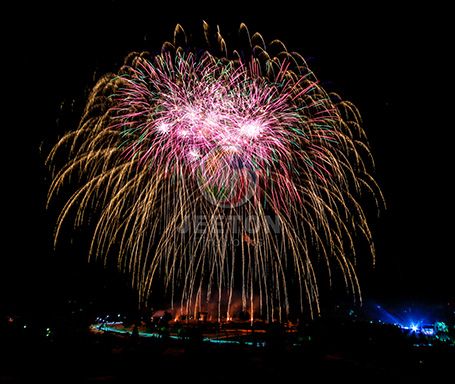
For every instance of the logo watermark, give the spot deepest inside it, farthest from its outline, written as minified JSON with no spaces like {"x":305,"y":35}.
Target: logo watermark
{"x":234,"y":224}
{"x":224,"y":178}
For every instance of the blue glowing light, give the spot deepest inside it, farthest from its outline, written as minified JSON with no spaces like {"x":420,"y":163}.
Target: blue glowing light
{"x":428,"y":330}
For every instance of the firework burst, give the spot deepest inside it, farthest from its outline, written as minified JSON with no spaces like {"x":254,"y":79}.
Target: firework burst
{"x":216,"y":173}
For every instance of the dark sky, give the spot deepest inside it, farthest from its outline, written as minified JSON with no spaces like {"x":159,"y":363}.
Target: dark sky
{"x":392,"y":63}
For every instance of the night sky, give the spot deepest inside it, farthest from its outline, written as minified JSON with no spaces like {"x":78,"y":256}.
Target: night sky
{"x":392,"y":63}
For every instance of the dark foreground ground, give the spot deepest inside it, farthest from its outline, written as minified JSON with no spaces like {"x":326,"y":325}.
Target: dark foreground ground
{"x":340,"y":353}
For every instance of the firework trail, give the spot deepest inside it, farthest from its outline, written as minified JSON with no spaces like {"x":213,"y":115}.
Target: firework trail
{"x":212,"y":172}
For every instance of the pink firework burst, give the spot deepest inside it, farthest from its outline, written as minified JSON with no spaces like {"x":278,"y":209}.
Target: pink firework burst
{"x":239,"y":141}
